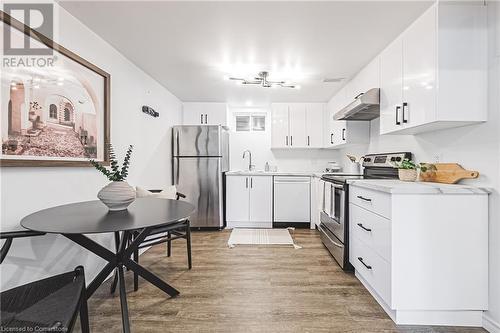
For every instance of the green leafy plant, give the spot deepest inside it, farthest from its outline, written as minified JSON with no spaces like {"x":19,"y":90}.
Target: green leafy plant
{"x":411,"y":165}
{"x":114,"y":173}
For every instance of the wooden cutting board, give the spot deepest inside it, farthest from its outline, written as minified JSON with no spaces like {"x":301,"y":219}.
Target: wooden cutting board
{"x":447,"y":173}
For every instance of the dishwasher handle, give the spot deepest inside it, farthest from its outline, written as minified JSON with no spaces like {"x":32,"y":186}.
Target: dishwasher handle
{"x":292,"y":180}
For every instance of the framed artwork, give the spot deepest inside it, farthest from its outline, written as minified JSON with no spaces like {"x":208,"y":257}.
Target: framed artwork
{"x":55,"y":109}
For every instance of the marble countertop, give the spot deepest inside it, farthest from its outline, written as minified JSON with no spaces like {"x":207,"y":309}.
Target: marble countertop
{"x":274,"y":173}
{"x":399,"y":187}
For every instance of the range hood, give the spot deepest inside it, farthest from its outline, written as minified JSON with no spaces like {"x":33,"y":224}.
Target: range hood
{"x":366,"y":106}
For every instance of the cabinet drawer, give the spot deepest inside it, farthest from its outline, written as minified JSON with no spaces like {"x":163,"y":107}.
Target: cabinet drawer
{"x":374,"y":201}
{"x":373,"y":268}
{"x":374,"y":230}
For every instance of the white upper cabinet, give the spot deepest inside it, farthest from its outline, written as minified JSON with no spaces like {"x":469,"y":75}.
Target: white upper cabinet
{"x":195,"y":113}
{"x":419,"y":71}
{"x":434,"y":75}
{"x":366,"y":79}
{"x":279,"y":126}
{"x":297,"y":125}
{"x":314,"y":124}
{"x":391,"y":87}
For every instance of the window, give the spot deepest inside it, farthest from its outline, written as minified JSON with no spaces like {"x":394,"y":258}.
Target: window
{"x":242,"y":123}
{"x":53,"y":111}
{"x":258,"y":123}
{"x":250,"y":122}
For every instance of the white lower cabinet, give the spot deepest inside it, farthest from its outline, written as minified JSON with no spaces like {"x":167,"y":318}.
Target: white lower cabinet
{"x":424,"y":257}
{"x":249,"y":201}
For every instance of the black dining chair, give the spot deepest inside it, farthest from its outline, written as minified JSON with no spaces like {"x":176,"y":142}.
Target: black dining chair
{"x":161,"y":234}
{"x":48,"y":305}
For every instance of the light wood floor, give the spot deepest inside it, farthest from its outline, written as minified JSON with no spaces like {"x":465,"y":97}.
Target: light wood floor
{"x":248,"y":289}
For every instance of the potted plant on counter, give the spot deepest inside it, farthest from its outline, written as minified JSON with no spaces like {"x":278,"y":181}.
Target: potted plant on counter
{"x":118,"y":194}
{"x":408,"y":170}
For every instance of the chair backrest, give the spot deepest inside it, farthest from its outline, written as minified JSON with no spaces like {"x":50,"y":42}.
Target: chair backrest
{"x":10,"y":235}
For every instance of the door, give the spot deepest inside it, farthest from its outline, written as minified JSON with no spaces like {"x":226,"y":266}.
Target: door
{"x":419,"y":70}
{"x":314,"y":125}
{"x":297,"y":121}
{"x":292,"y":199}
{"x":338,"y":135}
{"x":261,"y":199}
{"x":200,"y":179}
{"x":237,"y":198}
{"x":279,"y":128}
{"x":391,"y":87}
{"x":197,"y":141}
{"x":215,"y":114}
{"x":193,"y":114}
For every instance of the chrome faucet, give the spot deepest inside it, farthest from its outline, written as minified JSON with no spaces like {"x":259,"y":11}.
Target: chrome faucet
{"x":251,"y":167}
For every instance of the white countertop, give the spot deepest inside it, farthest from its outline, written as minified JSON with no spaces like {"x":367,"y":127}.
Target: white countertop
{"x":400,"y":187}
{"x":274,"y":173}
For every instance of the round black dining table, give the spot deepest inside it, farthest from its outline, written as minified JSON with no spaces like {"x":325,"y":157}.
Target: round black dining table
{"x":93,"y":217}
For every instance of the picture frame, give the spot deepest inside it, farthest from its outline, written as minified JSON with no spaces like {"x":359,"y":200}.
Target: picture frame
{"x":62,"y":117}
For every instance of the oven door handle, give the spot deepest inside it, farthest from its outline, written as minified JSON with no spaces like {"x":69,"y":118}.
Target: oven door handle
{"x":329,"y":238}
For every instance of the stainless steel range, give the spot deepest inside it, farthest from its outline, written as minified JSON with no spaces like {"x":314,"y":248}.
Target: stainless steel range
{"x":334,"y":226}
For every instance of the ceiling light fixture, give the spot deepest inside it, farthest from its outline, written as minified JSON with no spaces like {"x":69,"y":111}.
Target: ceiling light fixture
{"x":261,"y":80}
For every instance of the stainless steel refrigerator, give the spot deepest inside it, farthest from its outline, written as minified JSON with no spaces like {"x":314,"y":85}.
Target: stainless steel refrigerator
{"x":200,"y":158}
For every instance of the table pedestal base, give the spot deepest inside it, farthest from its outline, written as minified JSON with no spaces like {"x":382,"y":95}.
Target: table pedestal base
{"x":119,"y":261}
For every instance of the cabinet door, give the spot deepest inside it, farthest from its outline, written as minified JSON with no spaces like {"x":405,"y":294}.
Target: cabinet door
{"x":367,"y":78}
{"x":215,"y":114}
{"x":297,"y":121}
{"x":261,"y":199}
{"x":314,"y":125}
{"x":279,"y":126}
{"x":419,"y":70}
{"x":193,"y":114}
{"x":339,"y":132}
{"x":237,"y":198}
{"x":391,"y":87}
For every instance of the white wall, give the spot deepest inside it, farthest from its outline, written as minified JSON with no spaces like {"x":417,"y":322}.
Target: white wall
{"x":475,"y":147}
{"x":259,"y":144}
{"x":25,"y":190}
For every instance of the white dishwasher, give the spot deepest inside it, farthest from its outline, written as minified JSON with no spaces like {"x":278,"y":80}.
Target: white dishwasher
{"x":292,"y":200}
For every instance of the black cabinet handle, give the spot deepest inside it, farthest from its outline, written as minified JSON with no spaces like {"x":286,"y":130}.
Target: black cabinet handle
{"x":363,"y":227}
{"x":343,"y":134}
{"x":246,"y":182}
{"x":363,"y":198}
{"x":201,"y":118}
{"x":206,"y":119}
{"x":291,"y":140}
{"x":361,"y":260}
{"x":308,"y":141}
{"x":405,"y":111}
{"x":286,"y":140}
{"x":251,"y":182}
{"x":398,"y":109}
{"x":331,"y":138}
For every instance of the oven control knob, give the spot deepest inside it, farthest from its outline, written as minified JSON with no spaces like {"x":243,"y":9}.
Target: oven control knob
{"x":398,"y":159}
{"x":393,"y":159}
{"x":368,"y":159}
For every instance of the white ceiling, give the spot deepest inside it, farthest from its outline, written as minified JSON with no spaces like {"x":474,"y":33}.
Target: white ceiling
{"x":189,"y":46}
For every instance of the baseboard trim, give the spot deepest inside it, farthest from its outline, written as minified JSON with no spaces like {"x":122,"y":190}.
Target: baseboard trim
{"x":490,"y":325}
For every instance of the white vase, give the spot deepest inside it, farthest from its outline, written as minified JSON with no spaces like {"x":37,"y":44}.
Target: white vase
{"x":117,"y":195}
{"x":407,"y":175}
